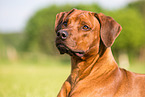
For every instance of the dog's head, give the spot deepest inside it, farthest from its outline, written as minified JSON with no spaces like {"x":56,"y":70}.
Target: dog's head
{"x":79,"y":32}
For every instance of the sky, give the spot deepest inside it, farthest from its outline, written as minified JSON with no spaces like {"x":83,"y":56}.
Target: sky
{"x":14,"y":14}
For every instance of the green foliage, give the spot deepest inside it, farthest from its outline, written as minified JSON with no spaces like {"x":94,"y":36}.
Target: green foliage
{"x":11,"y":39}
{"x":40,"y":35}
{"x":132,"y":35}
{"x":140,"y":6}
{"x":8,"y":43}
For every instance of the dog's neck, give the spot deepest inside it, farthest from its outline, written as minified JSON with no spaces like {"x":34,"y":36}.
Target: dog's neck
{"x":83,"y":68}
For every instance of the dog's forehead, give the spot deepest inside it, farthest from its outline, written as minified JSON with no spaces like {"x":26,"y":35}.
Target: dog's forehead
{"x":77,"y":14}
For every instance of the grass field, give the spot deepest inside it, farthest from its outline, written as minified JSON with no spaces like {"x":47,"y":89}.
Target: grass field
{"x":33,"y":80}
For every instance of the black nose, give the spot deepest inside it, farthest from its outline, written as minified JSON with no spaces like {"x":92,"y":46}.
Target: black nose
{"x":62,"y":34}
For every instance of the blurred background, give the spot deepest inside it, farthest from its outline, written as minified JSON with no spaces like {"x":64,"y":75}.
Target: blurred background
{"x":30,"y":64}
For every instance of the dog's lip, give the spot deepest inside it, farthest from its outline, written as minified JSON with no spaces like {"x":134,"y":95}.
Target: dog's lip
{"x":79,"y":53}
{"x":62,"y":48}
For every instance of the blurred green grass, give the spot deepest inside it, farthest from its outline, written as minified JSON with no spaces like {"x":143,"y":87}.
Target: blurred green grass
{"x":31,"y":81}
{"x":137,"y":67}
{"x":26,"y":79}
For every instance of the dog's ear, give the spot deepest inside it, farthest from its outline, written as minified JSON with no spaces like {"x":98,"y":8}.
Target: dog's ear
{"x":109,"y":30}
{"x":58,"y":20}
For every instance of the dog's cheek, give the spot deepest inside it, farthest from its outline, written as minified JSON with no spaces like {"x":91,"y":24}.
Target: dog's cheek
{"x":90,"y":37}
{"x":81,"y":44}
{"x":87,"y":41}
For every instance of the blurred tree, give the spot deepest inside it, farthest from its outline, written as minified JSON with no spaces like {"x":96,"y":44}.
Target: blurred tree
{"x":139,"y":5}
{"x":39,"y":32}
{"x":132,"y":35}
{"x":12,"y":40}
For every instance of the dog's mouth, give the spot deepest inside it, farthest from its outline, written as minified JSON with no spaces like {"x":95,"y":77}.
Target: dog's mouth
{"x":64,"y":49}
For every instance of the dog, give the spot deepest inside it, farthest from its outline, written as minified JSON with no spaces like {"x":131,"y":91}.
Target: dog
{"x":87,"y":37}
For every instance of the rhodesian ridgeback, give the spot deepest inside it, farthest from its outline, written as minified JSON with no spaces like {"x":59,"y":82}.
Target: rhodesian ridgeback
{"x":87,"y":37}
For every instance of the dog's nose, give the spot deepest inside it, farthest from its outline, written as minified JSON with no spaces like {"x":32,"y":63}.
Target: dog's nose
{"x":62,"y":34}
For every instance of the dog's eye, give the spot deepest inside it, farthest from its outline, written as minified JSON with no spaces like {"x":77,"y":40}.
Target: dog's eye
{"x":85,"y":27}
{"x":65,"y":23}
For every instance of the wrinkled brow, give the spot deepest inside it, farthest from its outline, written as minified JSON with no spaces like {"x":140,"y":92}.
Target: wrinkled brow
{"x":77,"y":16}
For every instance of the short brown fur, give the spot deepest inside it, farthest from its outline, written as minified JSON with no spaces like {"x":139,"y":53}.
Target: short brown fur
{"x":94,"y":72}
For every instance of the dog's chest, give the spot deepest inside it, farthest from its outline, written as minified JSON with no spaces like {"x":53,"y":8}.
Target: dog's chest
{"x":90,"y":88}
